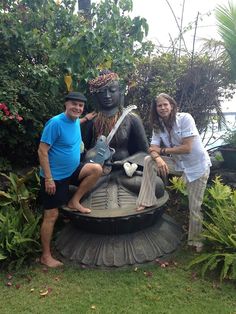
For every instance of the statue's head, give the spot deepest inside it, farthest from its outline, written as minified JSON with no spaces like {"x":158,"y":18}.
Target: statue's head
{"x":106,"y":91}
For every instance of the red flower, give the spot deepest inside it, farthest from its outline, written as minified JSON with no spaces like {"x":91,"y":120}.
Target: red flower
{"x":8,"y":114}
{"x":3,"y":107}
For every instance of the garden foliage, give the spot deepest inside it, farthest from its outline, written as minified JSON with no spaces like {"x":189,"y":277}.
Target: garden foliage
{"x":41,"y":41}
{"x":219,"y":232}
{"x":44,"y":41}
{"x":19,"y":220}
{"x":198,"y":84}
{"x":226,"y":17}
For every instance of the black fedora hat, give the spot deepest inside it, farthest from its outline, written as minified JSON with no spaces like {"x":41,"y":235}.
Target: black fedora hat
{"x":75,"y":96}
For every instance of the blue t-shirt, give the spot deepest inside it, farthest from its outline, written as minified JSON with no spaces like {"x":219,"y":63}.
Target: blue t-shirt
{"x":64,"y":137}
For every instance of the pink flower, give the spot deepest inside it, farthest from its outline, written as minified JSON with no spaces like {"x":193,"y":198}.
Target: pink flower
{"x":7,"y":112}
{"x":19,"y":118}
{"x":11,"y":117}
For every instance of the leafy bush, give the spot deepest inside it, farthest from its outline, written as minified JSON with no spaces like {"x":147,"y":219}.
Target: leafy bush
{"x":219,"y":232}
{"x":40,"y":42}
{"x":192,"y":82}
{"x":19,"y":221}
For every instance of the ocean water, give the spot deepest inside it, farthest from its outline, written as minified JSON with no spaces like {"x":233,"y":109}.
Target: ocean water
{"x":214,"y":137}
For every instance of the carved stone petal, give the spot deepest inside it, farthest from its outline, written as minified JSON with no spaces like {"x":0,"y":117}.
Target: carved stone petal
{"x":85,"y":248}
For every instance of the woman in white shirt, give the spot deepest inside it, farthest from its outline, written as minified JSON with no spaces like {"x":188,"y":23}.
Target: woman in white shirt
{"x":176,"y":148}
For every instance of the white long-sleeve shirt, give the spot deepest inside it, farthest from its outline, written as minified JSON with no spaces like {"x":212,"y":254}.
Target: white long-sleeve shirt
{"x":193,"y":164}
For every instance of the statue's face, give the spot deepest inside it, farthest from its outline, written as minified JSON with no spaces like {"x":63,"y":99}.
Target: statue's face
{"x":108,"y":97}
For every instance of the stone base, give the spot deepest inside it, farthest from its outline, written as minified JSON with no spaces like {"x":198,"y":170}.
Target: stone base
{"x":79,"y":247}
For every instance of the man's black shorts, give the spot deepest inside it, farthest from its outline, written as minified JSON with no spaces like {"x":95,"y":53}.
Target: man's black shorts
{"x":62,"y":195}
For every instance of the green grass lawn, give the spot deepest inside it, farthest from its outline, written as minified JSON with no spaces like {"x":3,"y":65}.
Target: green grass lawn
{"x":142,"y":289}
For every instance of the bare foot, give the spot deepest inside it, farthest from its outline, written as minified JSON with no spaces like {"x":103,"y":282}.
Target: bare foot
{"x":78,"y":208}
{"x":140,"y":208}
{"x":50,"y":262}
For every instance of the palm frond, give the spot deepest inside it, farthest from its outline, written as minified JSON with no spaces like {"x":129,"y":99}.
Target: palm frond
{"x":226,"y":22}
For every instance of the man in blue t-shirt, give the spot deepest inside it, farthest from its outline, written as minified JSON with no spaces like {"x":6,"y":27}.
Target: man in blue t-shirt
{"x":59,"y":156}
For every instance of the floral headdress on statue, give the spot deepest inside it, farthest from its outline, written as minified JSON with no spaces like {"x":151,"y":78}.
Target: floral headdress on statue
{"x":104,"y":123}
{"x":105,"y":78}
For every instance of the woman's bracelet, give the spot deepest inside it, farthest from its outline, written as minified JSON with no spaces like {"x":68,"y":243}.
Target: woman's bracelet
{"x":163,"y":151}
{"x":152,"y":149}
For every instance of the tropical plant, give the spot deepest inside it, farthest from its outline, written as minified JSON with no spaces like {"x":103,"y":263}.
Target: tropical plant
{"x":178,"y":187}
{"x":19,"y":220}
{"x":219,"y":231}
{"x":226,"y":18}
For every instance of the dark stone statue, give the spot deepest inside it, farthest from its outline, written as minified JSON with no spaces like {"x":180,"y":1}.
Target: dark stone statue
{"x":129,"y":142}
{"x":130,"y":137}
{"x":114,"y":233}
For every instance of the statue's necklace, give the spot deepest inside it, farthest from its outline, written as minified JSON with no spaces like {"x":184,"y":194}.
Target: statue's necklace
{"x":104,"y":124}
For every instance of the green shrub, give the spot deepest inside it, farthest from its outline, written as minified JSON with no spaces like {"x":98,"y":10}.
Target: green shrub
{"x":40,"y":42}
{"x":19,"y":221}
{"x":219,"y":231}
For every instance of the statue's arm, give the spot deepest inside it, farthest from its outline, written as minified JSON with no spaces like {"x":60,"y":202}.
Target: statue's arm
{"x":138,"y":138}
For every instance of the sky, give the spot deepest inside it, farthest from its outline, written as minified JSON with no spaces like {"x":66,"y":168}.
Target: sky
{"x":162,"y":23}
